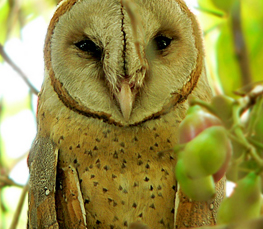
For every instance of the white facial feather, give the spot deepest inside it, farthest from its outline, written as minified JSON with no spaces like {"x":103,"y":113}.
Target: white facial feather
{"x":91,"y":83}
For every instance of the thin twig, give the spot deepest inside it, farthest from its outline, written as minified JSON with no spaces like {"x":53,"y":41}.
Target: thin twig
{"x":14,"y":162}
{"x":19,"y":208}
{"x":193,"y":101}
{"x":250,"y":98}
{"x":6,"y":181}
{"x":212,"y":12}
{"x":256,"y":143}
{"x":17,"y":69}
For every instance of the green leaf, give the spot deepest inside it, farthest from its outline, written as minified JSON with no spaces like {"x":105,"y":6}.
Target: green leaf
{"x":4,"y":9}
{"x":224,"y":5}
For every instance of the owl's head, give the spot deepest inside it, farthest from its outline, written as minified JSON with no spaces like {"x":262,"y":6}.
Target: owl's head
{"x":125,"y":62}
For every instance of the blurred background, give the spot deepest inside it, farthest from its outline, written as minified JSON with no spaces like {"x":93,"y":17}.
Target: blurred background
{"x":233,"y":32}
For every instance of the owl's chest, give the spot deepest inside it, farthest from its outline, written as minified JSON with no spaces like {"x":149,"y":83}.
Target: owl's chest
{"x":126,"y":174}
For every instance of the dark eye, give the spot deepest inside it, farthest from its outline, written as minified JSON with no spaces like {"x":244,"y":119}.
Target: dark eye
{"x":162,"y":42}
{"x":90,"y":47}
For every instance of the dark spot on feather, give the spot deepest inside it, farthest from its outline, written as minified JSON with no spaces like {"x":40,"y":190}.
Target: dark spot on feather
{"x":105,"y":134}
{"x":162,"y":222}
{"x":122,"y":150}
{"x":122,"y":144}
{"x":106,"y":167}
{"x":90,"y":153}
{"x":160,"y":154}
{"x":115,"y":155}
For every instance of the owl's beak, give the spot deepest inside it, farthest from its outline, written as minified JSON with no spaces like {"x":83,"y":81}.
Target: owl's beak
{"x":125,"y":97}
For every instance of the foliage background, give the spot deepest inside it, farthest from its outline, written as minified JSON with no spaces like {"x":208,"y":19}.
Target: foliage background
{"x":233,"y":32}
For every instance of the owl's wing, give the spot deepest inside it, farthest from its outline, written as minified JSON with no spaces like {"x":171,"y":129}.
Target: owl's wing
{"x":55,"y":200}
{"x":70,"y":206}
{"x":42,"y":163}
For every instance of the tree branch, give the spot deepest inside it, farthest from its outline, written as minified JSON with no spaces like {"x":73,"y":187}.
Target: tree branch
{"x":19,"y":208}
{"x":240,"y":44}
{"x":17,"y":69}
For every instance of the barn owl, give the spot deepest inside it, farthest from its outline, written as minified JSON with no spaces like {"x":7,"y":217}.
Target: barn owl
{"x":117,"y":79}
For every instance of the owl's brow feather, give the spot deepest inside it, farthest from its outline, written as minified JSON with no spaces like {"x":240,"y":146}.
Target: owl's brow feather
{"x":128,"y":4}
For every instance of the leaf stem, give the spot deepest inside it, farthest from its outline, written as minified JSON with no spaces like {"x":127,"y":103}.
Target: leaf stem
{"x":203,"y":104}
{"x":237,"y":128}
{"x":256,"y":143}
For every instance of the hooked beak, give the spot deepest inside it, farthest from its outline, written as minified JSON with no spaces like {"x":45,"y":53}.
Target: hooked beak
{"x":125,"y":97}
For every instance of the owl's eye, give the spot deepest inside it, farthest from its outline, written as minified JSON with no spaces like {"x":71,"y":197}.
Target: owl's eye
{"x":90,"y":47}
{"x":162,"y":42}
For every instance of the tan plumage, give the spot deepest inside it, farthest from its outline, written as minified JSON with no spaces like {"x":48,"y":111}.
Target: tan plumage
{"x":108,"y":112}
